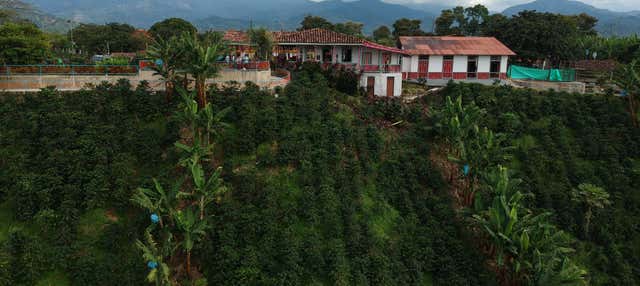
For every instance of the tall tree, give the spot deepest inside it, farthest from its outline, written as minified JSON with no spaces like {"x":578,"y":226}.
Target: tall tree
{"x":311,"y":22}
{"x":264,"y":42}
{"x":381,"y":33}
{"x":23,"y":43}
{"x":407,"y":27}
{"x":349,"y":28}
{"x":462,"y":21}
{"x":112,"y":37}
{"x":172,"y":27}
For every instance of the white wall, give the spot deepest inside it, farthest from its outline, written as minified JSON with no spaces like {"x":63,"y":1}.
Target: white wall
{"x":406,"y":64}
{"x":460,"y":64}
{"x":435,"y":63}
{"x":503,"y":64}
{"x":415,"y":62}
{"x":380,"y":87}
{"x":484,"y":63}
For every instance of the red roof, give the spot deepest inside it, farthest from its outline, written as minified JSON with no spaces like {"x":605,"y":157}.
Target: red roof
{"x":316,"y":36}
{"x":449,"y":45}
{"x":377,"y":46}
{"x":312,"y":36}
{"x":236,"y":37}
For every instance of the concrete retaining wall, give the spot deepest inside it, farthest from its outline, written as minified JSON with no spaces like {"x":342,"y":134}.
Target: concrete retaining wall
{"x":75,"y":82}
{"x":574,"y":86}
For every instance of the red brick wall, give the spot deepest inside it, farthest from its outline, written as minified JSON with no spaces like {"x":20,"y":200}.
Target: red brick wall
{"x":483,"y":75}
{"x":459,"y":75}
{"x":435,"y":75}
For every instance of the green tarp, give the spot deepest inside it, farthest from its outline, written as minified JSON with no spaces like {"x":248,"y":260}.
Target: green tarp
{"x":518,"y":72}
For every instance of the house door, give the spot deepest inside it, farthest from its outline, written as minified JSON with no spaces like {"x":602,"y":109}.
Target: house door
{"x":423,"y":68}
{"x":447,"y":68}
{"x":390,"y":86}
{"x":371,"y":83}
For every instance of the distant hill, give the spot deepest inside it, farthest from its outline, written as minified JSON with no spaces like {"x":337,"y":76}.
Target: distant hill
{"x":45,"y":21}
{"x":372,"y":13}
{"x":609,"y":22}
{"x":206,"y":14}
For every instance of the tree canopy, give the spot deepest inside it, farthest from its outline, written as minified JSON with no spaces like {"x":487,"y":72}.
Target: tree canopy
{"x":111,"y":37}
{"x":407,"y":27}
{"x":23,"y":43}
{"x":172,"y":27}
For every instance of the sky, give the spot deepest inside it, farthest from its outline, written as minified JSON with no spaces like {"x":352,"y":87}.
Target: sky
{"x":499,"y":5}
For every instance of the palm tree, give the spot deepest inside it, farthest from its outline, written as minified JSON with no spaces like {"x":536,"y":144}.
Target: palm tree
{"x":202,"y":61}
{"x":170,"y":53}
{"x":592,"y":197}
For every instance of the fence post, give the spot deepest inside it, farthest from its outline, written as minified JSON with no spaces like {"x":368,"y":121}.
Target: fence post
{"x":40,"y":70}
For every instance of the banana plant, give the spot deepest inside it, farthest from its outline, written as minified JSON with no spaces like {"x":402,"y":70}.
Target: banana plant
{"x":158,"y":201}
{"x":628,"y":78}
{"x":192,"y":230}
{"x":205,"y":190}
{"x":169,"y":54}
{"x":159,"y":271}
{"x":202,"y":61}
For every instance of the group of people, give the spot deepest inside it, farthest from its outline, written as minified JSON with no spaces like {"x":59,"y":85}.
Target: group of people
{"x":237,"y":59}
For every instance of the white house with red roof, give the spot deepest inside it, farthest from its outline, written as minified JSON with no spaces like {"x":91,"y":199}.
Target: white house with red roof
{"x":379,"y":66}
{"x":440,"y":59}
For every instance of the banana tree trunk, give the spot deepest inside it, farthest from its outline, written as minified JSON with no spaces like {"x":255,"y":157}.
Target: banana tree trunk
{"x":189,"y":264}
{"x":632,"y":110}
{"x":202,"y":94}
{"x":168,"y":88}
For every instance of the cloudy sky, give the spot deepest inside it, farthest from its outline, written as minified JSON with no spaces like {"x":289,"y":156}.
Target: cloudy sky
{"x":499,"y":5}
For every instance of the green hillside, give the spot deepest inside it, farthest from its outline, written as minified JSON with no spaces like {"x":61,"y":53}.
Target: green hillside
{"x":323,"y":187}
{"x":18,"y":10}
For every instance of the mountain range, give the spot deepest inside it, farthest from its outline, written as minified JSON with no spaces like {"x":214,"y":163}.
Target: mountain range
{"x":287,"y":14}
{"x":609,"y":22}
{"x":44,"y":20}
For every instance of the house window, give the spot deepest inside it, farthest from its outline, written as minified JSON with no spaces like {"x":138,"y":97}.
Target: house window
{"x":472,"y":67}
{"x":448,"y":58}
{"x":346,"y":55}
{"x":367,"y":58}
{"x":326,"y":55}
{"x":310,"y":54}
{"x":495,"y":67}
{"x":386,"y":58}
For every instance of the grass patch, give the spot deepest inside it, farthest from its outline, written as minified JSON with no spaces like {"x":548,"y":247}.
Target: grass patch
{"x":54,"y":278}
{"x":92,"y":223}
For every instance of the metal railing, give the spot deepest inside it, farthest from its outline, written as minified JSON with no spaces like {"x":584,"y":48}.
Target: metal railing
{"x":10,"y":70}
{"x":256,"y":65}
{"x":381,"y":68}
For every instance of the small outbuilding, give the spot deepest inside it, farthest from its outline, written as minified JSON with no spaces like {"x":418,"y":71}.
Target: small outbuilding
{"x":437,"y":60}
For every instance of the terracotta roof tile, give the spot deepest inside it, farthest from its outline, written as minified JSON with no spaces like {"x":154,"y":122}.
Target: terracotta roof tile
{"x":236,"y":37}
{"x":316,"y":36}
{"x":455,"y":46}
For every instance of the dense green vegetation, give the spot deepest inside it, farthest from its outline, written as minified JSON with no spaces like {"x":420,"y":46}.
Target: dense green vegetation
{"x":321,"y":187}
{"x":563,"y":141}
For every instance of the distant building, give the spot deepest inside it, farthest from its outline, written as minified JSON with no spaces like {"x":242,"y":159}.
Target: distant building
{"x":440,"y":59}
{"x":378,"y":66}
